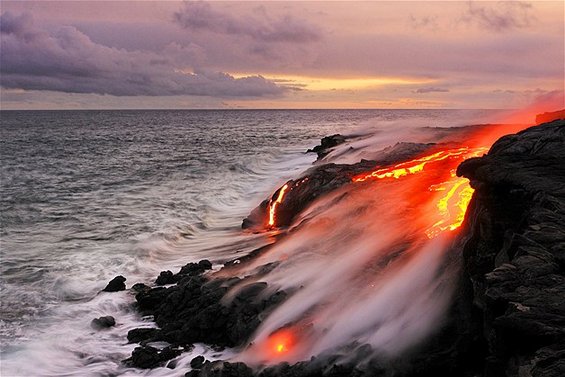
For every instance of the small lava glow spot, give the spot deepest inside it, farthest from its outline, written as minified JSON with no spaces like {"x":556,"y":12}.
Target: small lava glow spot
{"x":280,"y":342}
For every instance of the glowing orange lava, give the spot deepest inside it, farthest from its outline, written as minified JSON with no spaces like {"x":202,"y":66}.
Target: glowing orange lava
{"x":280,"y":342}
{"x":273,"y":205}
{"x":413,"y":166}
{"x":452,"y":206}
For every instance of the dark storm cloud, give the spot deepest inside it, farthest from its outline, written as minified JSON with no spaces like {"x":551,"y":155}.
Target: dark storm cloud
{"x":431,"y":90}
{"x":200,"y":16}
{"x":499,"y":17}
{"x":67,"y":60}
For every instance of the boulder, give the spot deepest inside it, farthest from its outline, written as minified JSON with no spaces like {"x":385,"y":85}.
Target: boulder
{"x":197,"y":362}
{"x":116,"y":284}
{"x":103,"y":322}
{"x":326,"y":144}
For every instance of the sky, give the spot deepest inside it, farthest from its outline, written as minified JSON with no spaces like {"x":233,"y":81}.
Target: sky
{"x":267,"y":54}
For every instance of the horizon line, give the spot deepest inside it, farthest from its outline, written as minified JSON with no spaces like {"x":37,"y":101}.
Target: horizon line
{"x":262,"y":109}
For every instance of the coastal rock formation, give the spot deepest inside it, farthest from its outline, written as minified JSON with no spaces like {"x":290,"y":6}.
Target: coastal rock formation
{"x":103,"y":322}
{"x":515,"y":253}
{"x":116,"y":284}
{"x":507,"y":317}
{"x":326,"y":144}
{"x":194,"y":310}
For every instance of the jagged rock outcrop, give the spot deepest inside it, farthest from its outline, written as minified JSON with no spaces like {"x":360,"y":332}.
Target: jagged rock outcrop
{"x":116,"y":284}
{"x":194,"y":310}
{"x":515,"y":255}
{"x":326,"y":145}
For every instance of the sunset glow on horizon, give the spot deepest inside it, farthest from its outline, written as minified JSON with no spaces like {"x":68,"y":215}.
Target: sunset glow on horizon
{"x":230,"y":54}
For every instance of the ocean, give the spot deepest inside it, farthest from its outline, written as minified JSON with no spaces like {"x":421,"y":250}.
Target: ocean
{"x":88,"y":195}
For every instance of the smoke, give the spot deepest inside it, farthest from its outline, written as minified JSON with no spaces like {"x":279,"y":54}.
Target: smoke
{"x":362,"y":271}
{"x":370,"y":263}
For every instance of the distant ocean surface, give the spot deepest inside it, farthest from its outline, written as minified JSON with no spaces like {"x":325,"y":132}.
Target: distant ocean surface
{"x":88,"y":195}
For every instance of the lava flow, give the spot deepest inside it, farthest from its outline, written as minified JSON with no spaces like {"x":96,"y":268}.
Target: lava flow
{"x":369,"y":263}
{"x":273,"y":205}
{"x":452,"y":206}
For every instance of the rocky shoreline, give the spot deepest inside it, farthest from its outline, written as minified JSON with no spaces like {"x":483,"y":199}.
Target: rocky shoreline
{"x":508,"y":316}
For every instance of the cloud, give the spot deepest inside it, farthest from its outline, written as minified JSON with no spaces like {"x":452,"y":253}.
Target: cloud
{"x":499,"y":17}
{"x":431,"y":90}
{"x":200,"y":16}
{"x":67,"y":60}
{"x":17,"y":25}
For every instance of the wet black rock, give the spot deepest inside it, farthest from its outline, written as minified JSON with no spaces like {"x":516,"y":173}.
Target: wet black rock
{"x":103,"y":322}
{"x":222,"y":369}
{"x":193,"y":310}
{"x":116,"y":284}
{"x":197,"y":362}
{"x":143,"y":335}
{"x":140,"y":287}
{"x":326,"y":144}
{"x":196,"y":268}
{"x":150,"y":357}
{"x":190,"y":269}
{"x":145,"y":357}
{"x":165,"y":277}
{"x":319,"y":367}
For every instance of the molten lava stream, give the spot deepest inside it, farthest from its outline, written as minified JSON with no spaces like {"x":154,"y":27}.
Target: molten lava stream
{"x":451,"y":207}
{"x":274,"y":204}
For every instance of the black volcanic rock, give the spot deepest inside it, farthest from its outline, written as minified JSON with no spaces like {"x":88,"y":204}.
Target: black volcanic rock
{"x":116,"y":284}
{"x":197,"y":362}
{"x":165,"y":277}
{"x":141,"y":335}
{"x":193,"y":311}
{"x":326,"y":144}
{"x":103,"y":322}
{"x":150,"y":357}
{"x":196,"y":268}
{"x":515,"y":255}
